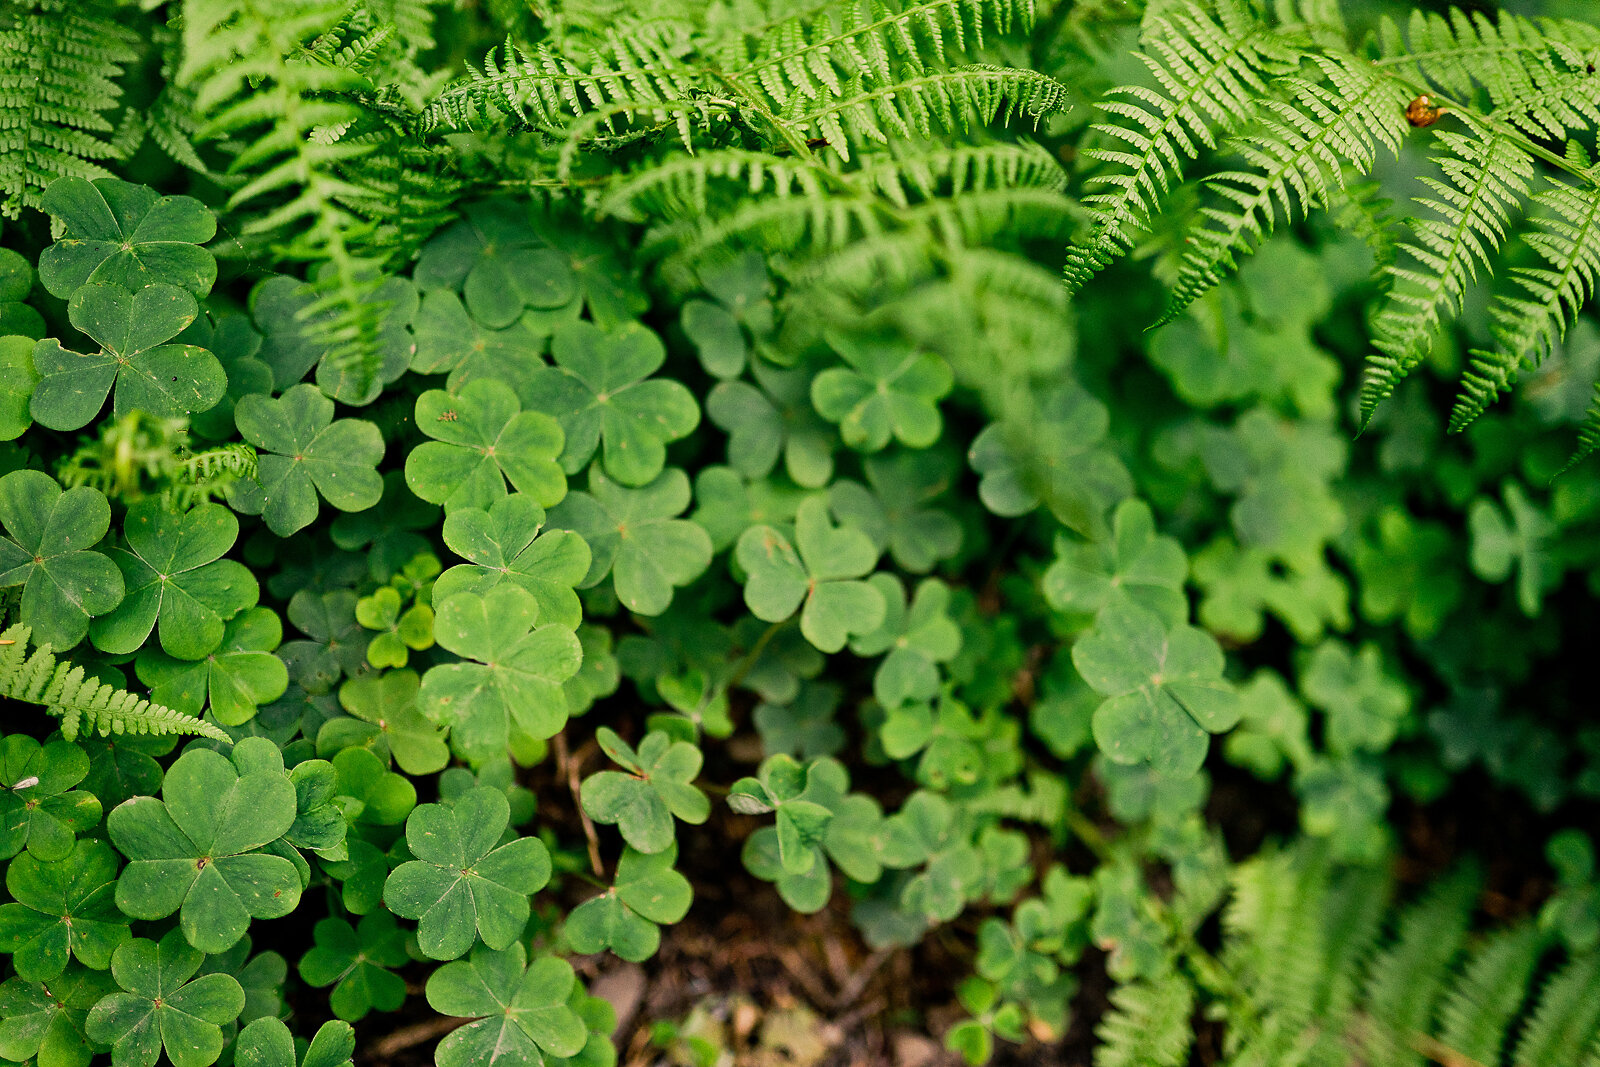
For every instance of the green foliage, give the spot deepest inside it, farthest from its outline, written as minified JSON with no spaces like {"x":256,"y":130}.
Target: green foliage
{"x":405,"y":403}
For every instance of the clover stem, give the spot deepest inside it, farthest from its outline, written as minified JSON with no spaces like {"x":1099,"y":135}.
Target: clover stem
{"x":567,"y":766}
{"x":749,"y":661}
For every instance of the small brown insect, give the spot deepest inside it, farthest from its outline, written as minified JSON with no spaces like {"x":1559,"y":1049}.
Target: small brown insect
{"x":448,"y":416}
{"x":1422,"y":112}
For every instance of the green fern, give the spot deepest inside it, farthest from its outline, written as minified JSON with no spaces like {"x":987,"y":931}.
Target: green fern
{"x":1297,"y":153}
{"x":83,"y":703}
{"x":1148,"y":1025}
{"x":1527,"y":327}
{"x":1486,"y":176}
{"x":1211,"y":68}
{"x":1488,"y":994}
{"x":59,"y":64}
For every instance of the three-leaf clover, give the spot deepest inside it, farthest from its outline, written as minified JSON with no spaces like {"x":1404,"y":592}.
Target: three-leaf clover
{"x":894,"y":511}
{"x":601,"y":390}
{"x":295,"y":323}
{"x":461,"y":886}
{"x":635,"y":536}
{"x":385,"y":706}
{"x":646,"y":892}
{"x":1053,"y":453}
{"x":196,"y":850}
{"x":774,"y":420}
{"x":148,"y":374}
{"x":1364,"y":705}
{"x":125,"y":234}
{"x":369,"y":792}
{"x":337,"y":645}
{"x":356,"y":961}
{"x":517,"y":679}
{"x":509,"y":542}
{"x":889,"y":390}
{"x":44,"y":1022}
{"x":779,"y":786}
{"x":399,"y":632}
{"x":161,"y":1009}
{"x":913,"y":640}
{"x":1135,"y":562}
{"x":63,"y":909}
{"x":1164,"y":688}
{"x":48,"y":552}
{"x":656,"y":787}
{"x":448,"y":339}
{"x":494,"y":256}
{"x":1497,"y":544}
{"x":305,"y":452}
{"x":173,"y":573}
{"x":237,"y":676}
{"x":39,"y":808}
{"x":819,"y":575}
{"x":481,"y":440}
{"x":266,"y":1042}
{"x":521,"y":1011}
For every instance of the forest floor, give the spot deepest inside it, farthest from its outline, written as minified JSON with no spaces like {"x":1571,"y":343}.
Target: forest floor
{"x":744,"y":981}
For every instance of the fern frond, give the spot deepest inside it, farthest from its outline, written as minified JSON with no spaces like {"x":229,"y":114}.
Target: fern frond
{"x":952,"y":100}
{"x":59,"y":62}
{"x":1148,"y":1024}
{"x":1210,"y":70}
{"x":1296,"y":154}
{"x":1567,"y":1018}
{"x":1485,"y":998}
{"x":1486,"y":177}
{"x":1527,"y":327}
{"x":82,"y":703}
{"x":1404,"y":981}
{"x":1536,"y":75}
{"x":903,"y":175}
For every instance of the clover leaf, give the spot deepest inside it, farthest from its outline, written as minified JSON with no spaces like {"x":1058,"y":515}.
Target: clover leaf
{"x":818,"y":575}
{"x":601,"y":390}
{"x":779,"y":786}
{"x":319,"y":825}
{"x":235,"y":678}
{"x":357,"y":961}
{"x":45,"y":1022}
{"x":803,"y":727}
{"x":823,"y":822}
{"x":161,"y":1009}
{"x":295,"y":324}
{"x":494,"y":256}
{"x":195,"y":851}
{"x":1364,"y":705}
{"x":1135,"y":562}
{"x":64,"y":909}
{"x":893,"y":511}
{"x":39,"y":808}
{"x":890,"y":390}
{"x":48,"y":553}
{"x":450,"y":340}
{"x":1164,"y":687}
{"x":646,"y":892}
{"x":509,"y":542}
{"x":266,"y":1042}
{"x":125,"y":234}
{"x":236,"y":344}
{"x":173,"y":573}
{"x":930,"y":831}
{"x":521,"y":1011}
{"x":481,"y":440}
{"x":741,"y":290}
{"x":460,"y":886}
{"x":1498,"y":544}
{"x":771,"y":419}
{"x":1241,"y":583}
{"x":657,"y":786}
{"x":305,"y":452}
{"x":727,"y":505}
{"x":369,"y":793}
{"x":1054,"y":454}
{"x":913,"y":640}
{"x":399,"y":633}
{"x":517,"y":679}
{"x":17,"y":380}
{"x":386,"y":706}
{"x":634,"y":535}
{"x":337,"y":645}
{"x":149,"y":375}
